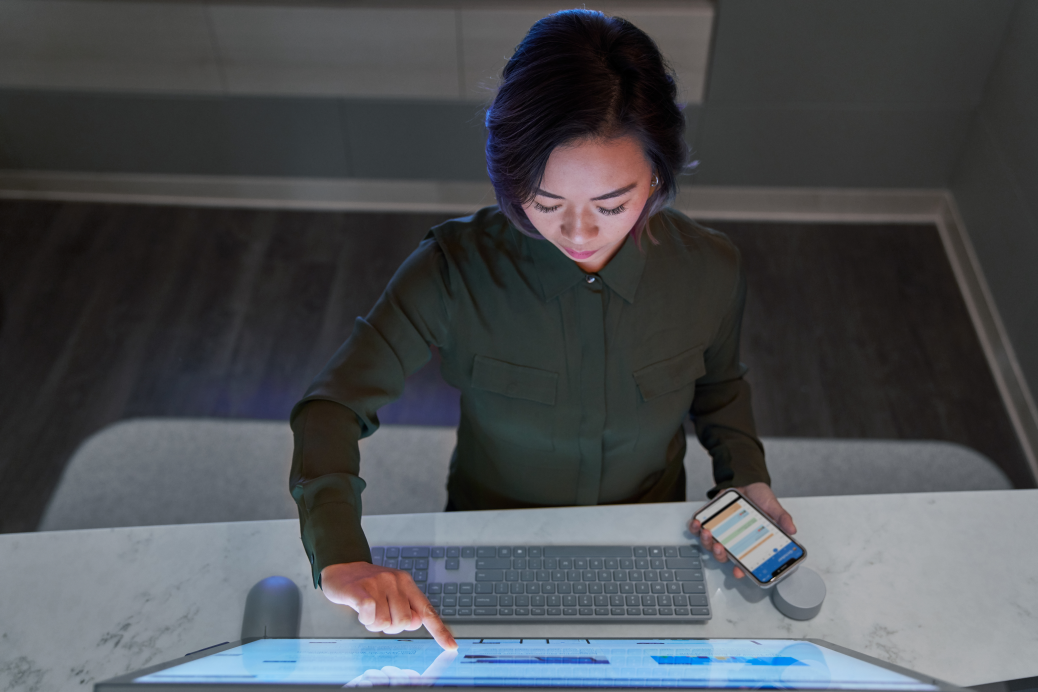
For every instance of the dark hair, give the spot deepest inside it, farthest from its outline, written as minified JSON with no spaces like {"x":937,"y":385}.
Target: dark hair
{"x":580,"y":74}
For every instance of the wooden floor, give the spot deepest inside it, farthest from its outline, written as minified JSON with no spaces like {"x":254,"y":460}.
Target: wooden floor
{"x":110,"y":312}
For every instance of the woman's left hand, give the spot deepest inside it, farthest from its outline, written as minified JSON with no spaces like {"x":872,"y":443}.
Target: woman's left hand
{"x":759,"y":494}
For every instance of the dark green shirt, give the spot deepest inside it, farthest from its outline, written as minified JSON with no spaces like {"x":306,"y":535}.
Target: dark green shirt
{"x":573,"y":386}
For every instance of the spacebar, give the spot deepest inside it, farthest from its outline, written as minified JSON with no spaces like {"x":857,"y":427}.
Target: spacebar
{"x":587,"y":551}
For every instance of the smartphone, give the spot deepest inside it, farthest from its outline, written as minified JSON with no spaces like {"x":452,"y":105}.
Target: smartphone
{"x":753,"y":541}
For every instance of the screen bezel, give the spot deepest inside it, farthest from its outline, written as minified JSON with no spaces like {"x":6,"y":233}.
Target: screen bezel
{"x":126,"y":682}
{"x":775,"y":578}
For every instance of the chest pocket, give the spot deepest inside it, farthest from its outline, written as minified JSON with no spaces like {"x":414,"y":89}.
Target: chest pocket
{"x":523,"y":413}
{"x":671,"y":375}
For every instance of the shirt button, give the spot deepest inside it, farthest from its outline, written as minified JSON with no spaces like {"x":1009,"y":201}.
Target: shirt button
{"x":590,"y":278}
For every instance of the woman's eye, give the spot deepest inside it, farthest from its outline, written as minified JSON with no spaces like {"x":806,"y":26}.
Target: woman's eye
{"x":615,"y":210}
{"x":543,"y":209}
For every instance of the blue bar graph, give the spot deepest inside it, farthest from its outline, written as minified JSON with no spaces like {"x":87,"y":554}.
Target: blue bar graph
{"x":730,"y":522}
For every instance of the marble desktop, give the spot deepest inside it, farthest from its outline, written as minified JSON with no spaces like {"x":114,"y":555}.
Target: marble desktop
{"x":943,"y":583}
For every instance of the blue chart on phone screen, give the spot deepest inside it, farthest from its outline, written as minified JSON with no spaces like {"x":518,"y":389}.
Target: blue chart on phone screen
{"x":747,"y":535}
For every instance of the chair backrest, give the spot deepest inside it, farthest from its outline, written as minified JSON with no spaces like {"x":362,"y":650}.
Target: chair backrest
{"x":179,"y":471}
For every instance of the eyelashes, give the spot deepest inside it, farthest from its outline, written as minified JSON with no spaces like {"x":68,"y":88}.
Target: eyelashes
{"x":608,"y":212}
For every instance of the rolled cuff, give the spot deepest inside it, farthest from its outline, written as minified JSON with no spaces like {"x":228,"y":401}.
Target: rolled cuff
{"x":333,"y":535}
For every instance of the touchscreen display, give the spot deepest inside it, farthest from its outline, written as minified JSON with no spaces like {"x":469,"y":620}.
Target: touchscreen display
{"x":717,"y":663}
{"x":752,"y":539}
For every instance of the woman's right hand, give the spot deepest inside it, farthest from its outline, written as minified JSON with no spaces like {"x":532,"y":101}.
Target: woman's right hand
{"x":386,"y":600}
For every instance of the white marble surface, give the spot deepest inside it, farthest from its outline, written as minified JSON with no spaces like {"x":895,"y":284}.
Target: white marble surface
{"x":944,"y":583}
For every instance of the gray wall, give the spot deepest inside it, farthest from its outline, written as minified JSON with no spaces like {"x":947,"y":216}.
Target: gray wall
{"x":876,"y":93}
{"x":240,"y":135}
{"x":800,"y":92}
{"x":996,"y":185}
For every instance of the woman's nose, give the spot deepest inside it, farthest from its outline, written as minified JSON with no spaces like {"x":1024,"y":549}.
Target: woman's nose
{"x":579,"y":228}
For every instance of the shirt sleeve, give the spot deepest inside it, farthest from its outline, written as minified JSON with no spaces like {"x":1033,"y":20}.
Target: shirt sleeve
{"x":721,"y":409}
{"x":341,"y":405}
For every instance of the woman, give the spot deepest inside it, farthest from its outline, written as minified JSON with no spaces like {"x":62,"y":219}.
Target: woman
{"x":581,"y":320}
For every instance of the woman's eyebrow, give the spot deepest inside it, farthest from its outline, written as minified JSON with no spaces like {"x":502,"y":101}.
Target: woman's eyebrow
{"x":608,"y":195}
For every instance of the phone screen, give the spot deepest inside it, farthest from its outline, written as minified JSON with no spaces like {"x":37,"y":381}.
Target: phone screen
{"x":750,"y":537}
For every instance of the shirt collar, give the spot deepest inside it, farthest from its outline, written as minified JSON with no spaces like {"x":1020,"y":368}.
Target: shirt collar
{"x":557,"y":273}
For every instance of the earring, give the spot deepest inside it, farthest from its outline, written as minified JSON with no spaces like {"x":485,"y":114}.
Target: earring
{"x":655,"y":181}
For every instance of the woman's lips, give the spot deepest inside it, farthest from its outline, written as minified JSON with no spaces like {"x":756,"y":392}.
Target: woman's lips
{"x":579,"y":255}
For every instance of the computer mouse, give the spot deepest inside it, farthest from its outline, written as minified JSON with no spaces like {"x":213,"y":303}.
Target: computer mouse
{"x":272,"y":609}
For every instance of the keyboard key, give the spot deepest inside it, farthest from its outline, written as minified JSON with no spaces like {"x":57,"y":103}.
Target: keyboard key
{"x":658,"y":587}
{"x":634,"y":611}
{"x":604,"y":575}
{"x":421,"y":587}
{"x":554,"y":611}
{"x":632,"y":600}
{"x":666,"y":611}
{"x":681,"y":611}
{"x":450,"y":601}
{"x":693,"y":587}
{"x":641,"y":552}
{"x":612,"y":563}
{"x":515,"y":587}
{"x":697,"y":601}
{"x":566,"y":563}
{"x":627,"y":564}
{"x":435,"y":588}
{"x":688,"y":551}
{"x":688,"y":574}
{"x":657,"y":563}
{"x":700,"y":611}
{"x":666,"y":575}
{"x":533,"y":552}
{"x":680,"y":600}
{"x":533,"y":587}
{"x":504,"y":551}
{"x":663,"y":600}
{"x":421,"y":575}
{"x":527,"y":575}
{"x":482,"y":601}
{"x":392,"y":562}
{"x":464,"y":612}
{"x":554,"y":601}
{"x":468,"y":552}
{"x":595,"y":563}
{"x":569,"y":601}
{"x":579,"y":587}
{"x":551,"y":563}
{"x":518,"y":563}
{"x":484,"y":611}
{"x":450,"y":587}
{"x":558,"y":575}
{"x":619,"y":575}
{"x":486,"y":552}
{"x":465,"y":601}
{"x":648,"y":611}
{"x":484,"y":587}
{"x":490,"y":575}
{"x":655,"y":551}
{"x":588,"y":600}
{"x":522,"y":601}
{"x":684,"y":563}
{"x":434,"y":599}
{"x":641,"y":563}
{"x":375,"y":560}
{"x":673,"y":587}
{"x":453,"y":552}
{"x":437,"y":552}
{"x":392,"y":552}
{"x":518,"y":552}
{"x":601,"y":600}
{"x":465,"y":588}
{"x":493,"y":563}
{"x":448,"y":612}
{"x":650,"y":575}
{"x":616,"y":611}
{"x":580,"y":563}
{"x":378,"y":552}
{"x":511,"y":575}
{"x":406,"y":563}
{"x":641,"y":588}
{"x":616,"y":600}
{"x":537,"y":601}
{"x":548,"y":587}
{"x":564,"y":587}
{"x":414,"y":552}
{"x":500,"y":587}
{"x":670,"y":552}
{"x":601,"y":611}
{"x":536,"y":611}
{"x":505,"y":611}
{"x":452,"y":563}
{"x":612,"y":587}
{"x":626,"y":588}
{"x":569,"y":611}
{"x":522,"y":611}
{"x":587,"y":575}
{"x":648,"y":601}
